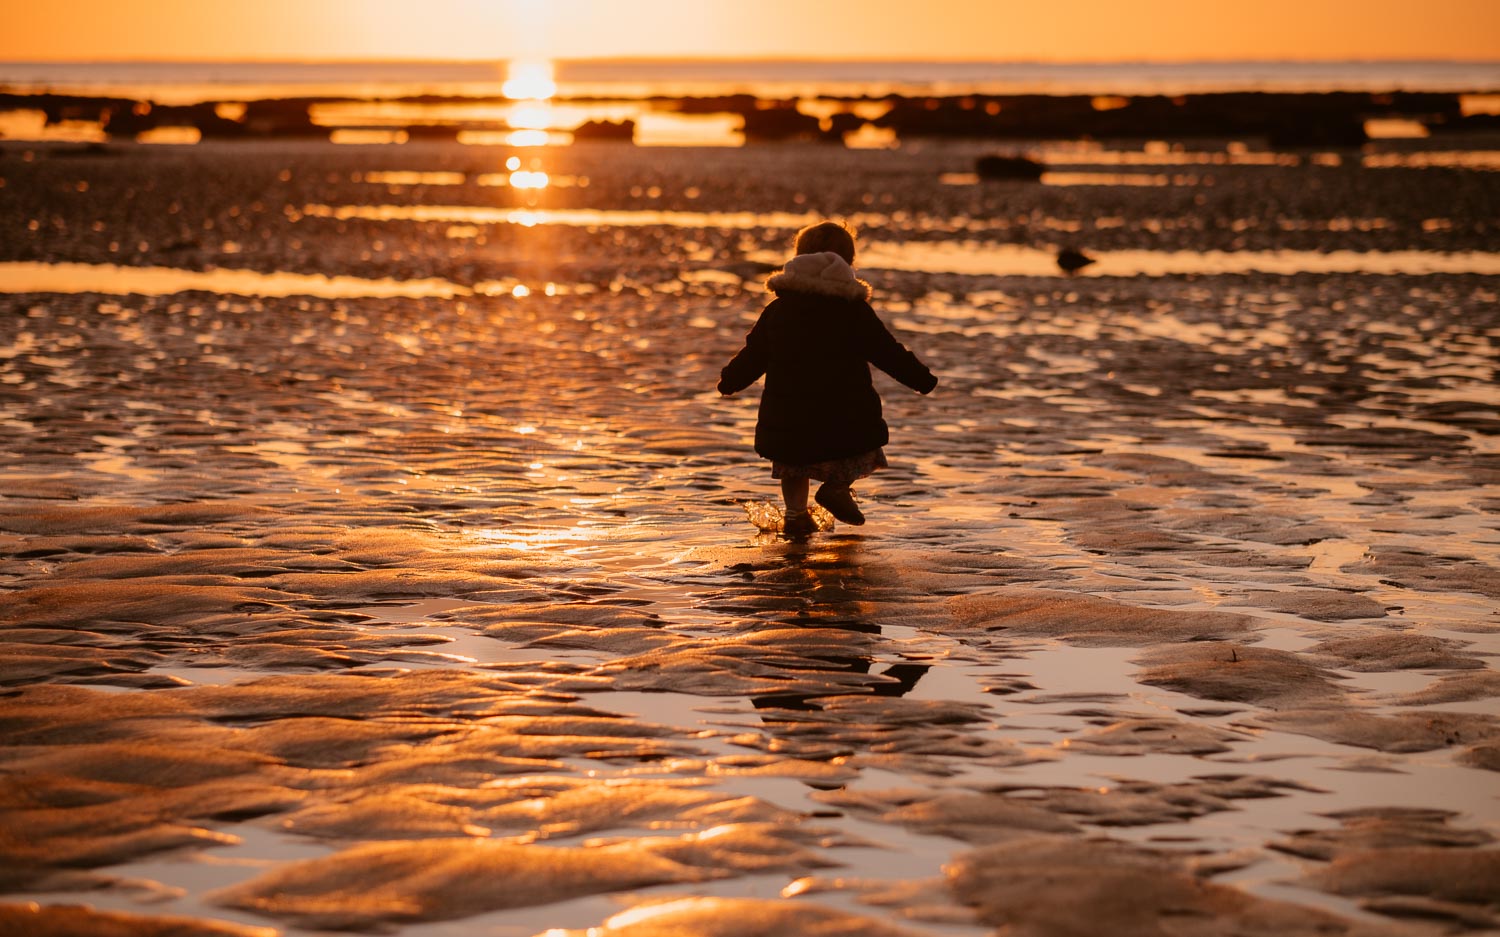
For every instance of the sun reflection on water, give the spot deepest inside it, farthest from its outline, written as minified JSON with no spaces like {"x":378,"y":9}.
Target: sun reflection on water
{"x":532,"y":84}
{"x":534,"y":539}
{"x":531,"y":178}
{"x":528,"y":138}
{"x":530,"y":117}
{"x":532,"y":80}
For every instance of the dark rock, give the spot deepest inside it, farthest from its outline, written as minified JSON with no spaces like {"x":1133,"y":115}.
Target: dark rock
{"x":839,"y":125}
{"x":144,"y":115}
{"x":282,"y":117}
{"x":713,"y":104}
{"x":1072,"y":260}
{"x":1010,"y":116}
{"x":623,"y":130}
{"x":1296,"y":134}
{"x":433,"y":133}
{"x":1473,"y":123}
{"x":129,"y":121}
{"x":781,"y":122}
{"x":1284,"y":119}
{"x":1008,"y":167}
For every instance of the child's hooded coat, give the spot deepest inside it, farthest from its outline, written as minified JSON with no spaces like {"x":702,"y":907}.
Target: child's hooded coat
{"x":814,"y":343}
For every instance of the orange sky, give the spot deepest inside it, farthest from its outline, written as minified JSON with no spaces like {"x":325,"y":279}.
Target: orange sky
{"x":1025,"y":30}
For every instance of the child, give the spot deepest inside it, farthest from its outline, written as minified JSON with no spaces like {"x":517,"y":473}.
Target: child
{"x":819,"y":413}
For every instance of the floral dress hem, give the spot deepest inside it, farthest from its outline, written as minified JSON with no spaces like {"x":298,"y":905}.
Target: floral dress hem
{"x":834,"y":471}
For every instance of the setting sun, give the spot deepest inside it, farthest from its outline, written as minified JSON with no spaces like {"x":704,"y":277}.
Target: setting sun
{"x":529,"y":81}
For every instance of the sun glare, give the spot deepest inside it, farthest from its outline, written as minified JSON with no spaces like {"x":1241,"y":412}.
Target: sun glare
{"x":532,"y":84}
{"x":529,"y":81}
{"x":528,"y":138}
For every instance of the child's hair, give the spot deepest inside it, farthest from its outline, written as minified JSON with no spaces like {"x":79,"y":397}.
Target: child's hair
{"x":827,"y":236}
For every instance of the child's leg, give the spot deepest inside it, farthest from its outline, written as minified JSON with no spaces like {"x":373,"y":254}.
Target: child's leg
{"x":794,"y":493}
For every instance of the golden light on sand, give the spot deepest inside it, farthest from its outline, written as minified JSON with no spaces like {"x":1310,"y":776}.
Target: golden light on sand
{"x":528,"y":539}
{"x":647,"y":911}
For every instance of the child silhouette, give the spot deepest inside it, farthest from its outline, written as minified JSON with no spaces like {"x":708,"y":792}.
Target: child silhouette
{"x":820,"y":417}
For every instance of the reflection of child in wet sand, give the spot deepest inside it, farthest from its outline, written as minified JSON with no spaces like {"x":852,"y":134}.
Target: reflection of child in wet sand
{"x":820,"y":416}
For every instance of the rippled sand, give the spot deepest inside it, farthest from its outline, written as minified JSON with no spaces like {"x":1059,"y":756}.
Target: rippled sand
{"x":1176,"y":609}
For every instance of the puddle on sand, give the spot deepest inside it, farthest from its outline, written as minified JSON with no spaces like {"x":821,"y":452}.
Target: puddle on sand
{"x":977,"y":259}
{"x":934,"y":257}
{"x":527,"y":217}
{"x":463,"y":641}
{"x":178,"y":882}
{"x":958,"y":257}
{"x":114,"y":462}
{"x":35,"y":277}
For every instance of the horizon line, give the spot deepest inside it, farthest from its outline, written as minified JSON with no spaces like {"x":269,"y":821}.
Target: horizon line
{"x":749,"y":60}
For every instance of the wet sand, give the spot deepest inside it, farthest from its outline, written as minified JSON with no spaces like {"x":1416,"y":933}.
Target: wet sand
{"x":441,"y":613}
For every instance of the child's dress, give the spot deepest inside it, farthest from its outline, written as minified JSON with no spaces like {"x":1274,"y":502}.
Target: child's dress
{"x":820,"y":416}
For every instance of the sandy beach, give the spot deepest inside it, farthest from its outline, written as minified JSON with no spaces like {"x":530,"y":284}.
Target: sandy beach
{"x":375,"y":551}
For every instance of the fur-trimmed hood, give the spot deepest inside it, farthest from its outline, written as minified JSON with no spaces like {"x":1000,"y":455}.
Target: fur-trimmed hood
{"x":826,"y":274}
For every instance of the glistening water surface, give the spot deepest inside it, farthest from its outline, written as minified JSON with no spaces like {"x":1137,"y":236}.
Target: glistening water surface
{"x":335,"y":599}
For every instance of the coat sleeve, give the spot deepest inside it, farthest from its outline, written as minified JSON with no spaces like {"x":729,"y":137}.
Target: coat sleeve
{"x":883,"y":350}
{"x":746,"y":367}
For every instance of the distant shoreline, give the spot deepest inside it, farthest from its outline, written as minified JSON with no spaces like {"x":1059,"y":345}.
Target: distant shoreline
{"x":185,"y":82}
{"x":1284,"y":103}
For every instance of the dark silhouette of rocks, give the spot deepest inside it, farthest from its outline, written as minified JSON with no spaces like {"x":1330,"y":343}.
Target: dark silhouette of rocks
{"x":126,"y":122}
{"x":1008,"y":167}
{"x":780,"y":122}
{"x":1289,"y":120}
{"x":1471,"y":123}
{"x":1338,"y":133}
{"x":621,"y":130}
{"x":282,"y":117}
{"x":123,"y":122}
{"x":433,"y":133}
{"x":1072,"y":260}
{"x":64,"y":107}
{"x":840,"y":124}
{"x":1009,"y":116}
{"x":713,"y":104}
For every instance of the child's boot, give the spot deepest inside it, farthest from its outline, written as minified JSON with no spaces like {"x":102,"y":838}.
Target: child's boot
{"x":839,"y":501}
{"x":798,"y":524}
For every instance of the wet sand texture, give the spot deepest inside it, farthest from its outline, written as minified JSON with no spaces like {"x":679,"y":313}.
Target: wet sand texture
{"x":65,"y":920}
{"x":445,"y":615}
